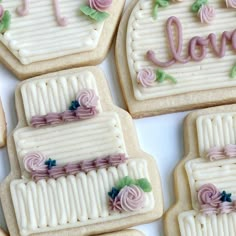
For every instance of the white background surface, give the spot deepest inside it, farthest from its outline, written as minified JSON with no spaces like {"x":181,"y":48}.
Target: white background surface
{"x":160,"y":136}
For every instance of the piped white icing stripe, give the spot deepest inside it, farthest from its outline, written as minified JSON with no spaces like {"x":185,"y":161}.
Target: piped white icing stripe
{"x":220,"y":173}
{"x":216,"y":130}
{"x":72,"y":201}
{"x":38,"y":36}
{"x":193,"y":224}
{"x":144,"y":33}
{"x":74,"y":141}
{"x":55,"y":94}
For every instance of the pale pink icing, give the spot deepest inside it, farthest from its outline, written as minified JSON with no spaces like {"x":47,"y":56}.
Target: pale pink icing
{"x":100,"y":5}
{"x":207,"y":209}
{"x":209,"y":194}
{"x":69,"y":116}
{"x":83,"y":113}
{"x":231,"y":3}
{"x":87,"y":98}
{"x":23,"y":10}
{"x":131,"y":198}
{"x":146,"y":77}
{"x":62,"y":21}
{"x":115,"y":205}
{"x":35,"y":161}
{"x":174,"y":31}
{"x":75,"y":168}
{"x":215,"y":154}
{"x":207,"y":14}
{"x":1,"y":11}
{"x":53,"y":118}
{"x":226,"y":207}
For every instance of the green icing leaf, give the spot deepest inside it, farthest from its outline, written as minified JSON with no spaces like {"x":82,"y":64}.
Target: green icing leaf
{"x":161,"y":76}
{"x":157,"y":4}
{"x":126,"y":181}
{"x":5,"y":22}
{"x":198,"y":4}
{"x":233,"y":72}
{"x":93,"y":14}
{"x":144,"y":184}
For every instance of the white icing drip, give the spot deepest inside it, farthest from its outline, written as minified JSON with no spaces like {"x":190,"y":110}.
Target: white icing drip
{"x":145,"y":33}
{"x":74,"y":141}
{"x":220,"y":173}
{"x":72,"y":201}
{"x":55,"y":94}
{"x":216,"y":130}
{"x":38,"y":37}
{"x":193,"y":224}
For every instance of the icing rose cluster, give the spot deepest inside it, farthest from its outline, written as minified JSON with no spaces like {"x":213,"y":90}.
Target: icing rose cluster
{"x":231,"y":3}
{"x":129,"y":195}
{"x":100,"y":5}
{"x":38,"y":165}
{"x":146,"y":77}
{"x":207,"y":14}
{"x":212,"y":201}
{"x":218,"y":153}
{"x":87,"y":108}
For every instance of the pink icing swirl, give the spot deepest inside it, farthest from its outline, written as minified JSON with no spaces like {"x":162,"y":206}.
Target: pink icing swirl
{"x":83,"y":113}
{"x":207,"y":209}
{"x":226,"y":207}
{"x":24,"y":9}
{"x":1,"y":12}
{"x":216,"y":153}
{"x":231,"y":3}
{"x":87,"y":98}
{"x":131,"y":198}
{"x":209,"y":194}
{"x":207,"y":14}
{"x":74,"y":168}
{"x":115,"y":205}
{"x":146,"y":77}
{"x":35,"y":161}
{"x":230,"y":150}
{"x":100,"y":5}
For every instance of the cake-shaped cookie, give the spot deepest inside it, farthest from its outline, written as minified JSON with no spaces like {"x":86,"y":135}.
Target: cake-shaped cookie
{"x":177,"y":55}
{"x":76,"y":166}
{"x":205,"y":180}
{"x":37,"y":37}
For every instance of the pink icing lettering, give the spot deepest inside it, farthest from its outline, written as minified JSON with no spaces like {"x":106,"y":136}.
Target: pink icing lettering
{"x":197,"y":49}
{"x":23,"y":10}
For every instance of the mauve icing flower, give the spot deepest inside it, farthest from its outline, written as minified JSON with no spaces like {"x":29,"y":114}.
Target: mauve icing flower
{"x":231,"y":3}
{"x":146,"y":77}
{"x":208,"y":194}
{"x":1,"y":11}
{"x":35,"y":161}
{"x":100,"y":5}
{"x":87,"y":98}
{"x":131,"y":198}
{"x":207,"y":13}
{"x":114,"y":204}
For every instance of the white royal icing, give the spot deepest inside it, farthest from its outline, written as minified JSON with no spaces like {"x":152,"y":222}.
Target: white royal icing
{"x":74,"y":200}
{"x":145,"y":33}
{"x":56,"y":93}
{"x":38,"y":37}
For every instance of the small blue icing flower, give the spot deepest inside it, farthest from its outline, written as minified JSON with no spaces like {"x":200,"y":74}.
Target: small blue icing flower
{"x":114,"y":192}
{"x":50,"y":163}
{"x":74,"y":105}
{"x":226,"y":197}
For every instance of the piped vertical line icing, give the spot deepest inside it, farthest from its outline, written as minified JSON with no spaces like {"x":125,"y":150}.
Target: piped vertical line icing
{"x":61,"y":21}
{"x":23,"y":10}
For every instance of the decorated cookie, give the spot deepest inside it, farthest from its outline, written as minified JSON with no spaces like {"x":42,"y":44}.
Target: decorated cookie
{"x":177,"y":55}
{"x":37,"y":37}
{"x":76,"y":165}
{"x":2,"y":127}
{"x":205,"y":180}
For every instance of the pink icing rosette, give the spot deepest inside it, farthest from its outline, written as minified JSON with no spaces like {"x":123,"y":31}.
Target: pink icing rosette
{"x":87,"y":98}
{"x":146,"y":77}
{"x":207,"y":14}
{"x":231,"y":3}
{"x":35,"y":161}
{"x":100,"y":5}
{"x":208,"y":194}
{"x":131,"y":198}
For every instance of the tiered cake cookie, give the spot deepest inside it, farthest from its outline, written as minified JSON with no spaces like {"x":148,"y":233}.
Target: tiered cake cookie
{"x":205,"y":180}
{"x":37,"y":37}
{"x":177,"y":55}
{"x":76,"y":166}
